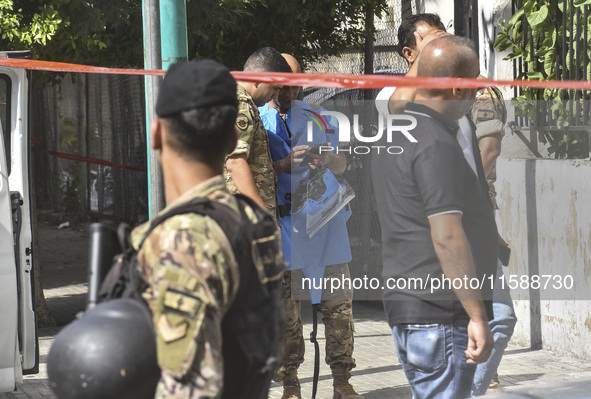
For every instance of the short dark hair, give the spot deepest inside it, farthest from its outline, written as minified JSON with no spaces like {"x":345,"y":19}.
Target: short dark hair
{"x":202,"y":134}
{"x":408,"y":26}
{"x":266,"y":59}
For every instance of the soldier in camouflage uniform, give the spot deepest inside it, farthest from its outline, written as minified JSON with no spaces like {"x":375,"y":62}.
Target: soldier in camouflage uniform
{"x":489,"y":115}
{"x":187,"y":261}
{"x":249,"y":169}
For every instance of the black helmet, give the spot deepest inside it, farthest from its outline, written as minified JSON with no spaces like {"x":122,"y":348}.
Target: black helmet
{"x":109,"y":353}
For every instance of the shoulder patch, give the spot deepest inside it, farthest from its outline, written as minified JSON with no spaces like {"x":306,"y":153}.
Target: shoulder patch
{"x":242,"y":121}
{"x":484,"y":115}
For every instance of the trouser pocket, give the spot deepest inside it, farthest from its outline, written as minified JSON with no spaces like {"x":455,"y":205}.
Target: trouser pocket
{"x":422,"y":346}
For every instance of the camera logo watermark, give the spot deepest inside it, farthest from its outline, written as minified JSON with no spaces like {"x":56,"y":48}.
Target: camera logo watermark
{"x":394,"y":124}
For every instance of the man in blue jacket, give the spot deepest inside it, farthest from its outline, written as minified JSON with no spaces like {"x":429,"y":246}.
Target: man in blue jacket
{"x":325,"y":255}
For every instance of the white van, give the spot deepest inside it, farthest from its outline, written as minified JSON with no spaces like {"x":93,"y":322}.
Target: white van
{"x":19,"y":352}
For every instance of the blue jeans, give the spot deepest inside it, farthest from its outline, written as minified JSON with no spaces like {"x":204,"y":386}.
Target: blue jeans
{"x":501,"y":326}
{"x":433,"y":359}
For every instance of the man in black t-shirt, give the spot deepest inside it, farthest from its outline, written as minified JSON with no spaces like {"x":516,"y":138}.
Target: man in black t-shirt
{"x":439,"y":235}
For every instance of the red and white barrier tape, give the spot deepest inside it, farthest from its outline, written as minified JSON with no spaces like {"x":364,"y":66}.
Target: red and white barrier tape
{"x":314,"y":79}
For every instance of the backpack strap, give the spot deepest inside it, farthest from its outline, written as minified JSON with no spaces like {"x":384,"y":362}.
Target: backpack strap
{"x":200,"y":205}
{"x":123,"y":280}
{"x":238,"y":229}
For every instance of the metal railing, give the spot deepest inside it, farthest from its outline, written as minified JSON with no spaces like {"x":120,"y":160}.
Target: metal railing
{"x":568,"y":109}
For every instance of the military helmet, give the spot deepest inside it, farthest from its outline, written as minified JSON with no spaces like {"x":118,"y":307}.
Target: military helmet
{"x":108,"y":353}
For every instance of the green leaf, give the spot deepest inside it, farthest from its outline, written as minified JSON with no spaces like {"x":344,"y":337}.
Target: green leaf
{"x":537,"y":18}
{"x":550,"y":37}
{"x":579,"y":3}
{"x":504,"y":46}
{"x":550,"y":61}
{"x":535,"y":75}
{"x":517,"y":16}
{"x":528,"y":6}
{"x":517,"y":33}
{"x":501,"y":40}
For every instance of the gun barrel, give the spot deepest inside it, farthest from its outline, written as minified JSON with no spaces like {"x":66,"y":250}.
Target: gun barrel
{"x":104,"y":245}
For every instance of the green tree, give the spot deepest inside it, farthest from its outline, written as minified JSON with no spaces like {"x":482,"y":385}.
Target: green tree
{"x":308,"y":29}
{"x":105,"y":33}
{"x":537,"y":38}
{"x":38,"y":28}
{"x":109,"y":32}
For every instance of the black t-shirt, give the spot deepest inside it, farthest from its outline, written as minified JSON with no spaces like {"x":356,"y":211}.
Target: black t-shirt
{"x":429,"y":177}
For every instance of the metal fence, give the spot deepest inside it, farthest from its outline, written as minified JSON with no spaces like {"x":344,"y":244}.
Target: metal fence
{"x":555,"y":111}
{"x":381,"y":51}
{"x":89,"y":146}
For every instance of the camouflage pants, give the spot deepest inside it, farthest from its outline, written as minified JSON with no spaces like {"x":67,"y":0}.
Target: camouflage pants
{"x":335,"y":309}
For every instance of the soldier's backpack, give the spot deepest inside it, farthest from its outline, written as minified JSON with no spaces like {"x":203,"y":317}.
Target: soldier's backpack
{"x":253,"y":327}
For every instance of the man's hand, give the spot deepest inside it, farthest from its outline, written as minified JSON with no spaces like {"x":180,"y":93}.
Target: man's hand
{"x":295,"y":156}
{"x":423,"y":38}
{"x":480,"y":342}
{"x":298,"y":153}
{"x":243,"y":179}
{"x":337,"y":163}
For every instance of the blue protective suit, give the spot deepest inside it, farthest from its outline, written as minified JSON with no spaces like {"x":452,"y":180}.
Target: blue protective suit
{"x":330,"y":246}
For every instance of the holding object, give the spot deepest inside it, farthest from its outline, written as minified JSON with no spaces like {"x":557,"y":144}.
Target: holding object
{"x":318,"y":200}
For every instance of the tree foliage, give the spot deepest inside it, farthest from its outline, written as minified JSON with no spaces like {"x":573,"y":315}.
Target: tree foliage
{"x":106,"y":32}
{"x":308,"y":29}
{"x":536,"y":36}
{"x":109,"y":32}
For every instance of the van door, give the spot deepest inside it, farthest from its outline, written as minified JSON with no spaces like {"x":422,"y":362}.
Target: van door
{"x":14,"y":86}
{"x":9,"y":362}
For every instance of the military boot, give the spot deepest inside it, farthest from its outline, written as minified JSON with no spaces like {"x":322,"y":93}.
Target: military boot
{"x":343,"y":389}
{"x":291,"y":386}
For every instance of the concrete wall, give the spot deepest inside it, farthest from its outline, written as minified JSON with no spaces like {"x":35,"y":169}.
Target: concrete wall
{"x":545,"y":216}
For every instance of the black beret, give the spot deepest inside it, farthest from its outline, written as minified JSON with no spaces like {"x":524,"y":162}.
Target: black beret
{"x":195,"y":84}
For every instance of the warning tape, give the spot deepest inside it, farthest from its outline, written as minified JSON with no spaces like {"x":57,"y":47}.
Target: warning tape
{"x":71,"y":157}
{"x":314,"y":79}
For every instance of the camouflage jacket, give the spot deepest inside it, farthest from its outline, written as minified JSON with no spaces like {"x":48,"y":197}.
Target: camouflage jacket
{"x":489,"y":115}
{"x":193,"y":278}
{"x":253,"y":144}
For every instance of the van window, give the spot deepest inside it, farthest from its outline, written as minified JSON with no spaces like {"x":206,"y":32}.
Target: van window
{"x":5,"y":92}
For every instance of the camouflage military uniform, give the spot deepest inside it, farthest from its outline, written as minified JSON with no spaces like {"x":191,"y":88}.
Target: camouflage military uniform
{"x":253,"y":143}
{"x":336,"y":312}
{"x":489,"y":115}
{"x":193,"y":278}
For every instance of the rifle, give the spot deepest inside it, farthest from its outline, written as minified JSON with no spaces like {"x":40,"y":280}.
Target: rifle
{"x":105,"y":244}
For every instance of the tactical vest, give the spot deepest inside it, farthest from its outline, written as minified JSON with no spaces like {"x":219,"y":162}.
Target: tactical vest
{"x":253,"y":326}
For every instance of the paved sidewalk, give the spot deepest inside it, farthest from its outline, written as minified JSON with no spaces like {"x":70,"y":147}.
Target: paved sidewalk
{"x":378,"y":374}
